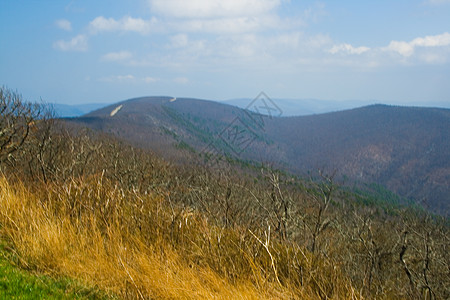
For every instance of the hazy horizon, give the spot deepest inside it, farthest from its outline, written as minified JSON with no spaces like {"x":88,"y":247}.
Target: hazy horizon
{"x":288,"y":107}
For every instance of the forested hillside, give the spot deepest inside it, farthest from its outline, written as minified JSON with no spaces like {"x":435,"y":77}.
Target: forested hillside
{"x":403,"y":149}
{"x":83,"y":205}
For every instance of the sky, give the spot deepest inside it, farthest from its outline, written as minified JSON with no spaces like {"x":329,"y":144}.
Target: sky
{"x":83,"y":51}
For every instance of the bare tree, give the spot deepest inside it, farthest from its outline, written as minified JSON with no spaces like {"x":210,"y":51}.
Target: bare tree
{"x":322,"y":195}
{"x":17,"y":120}
{"x":280,"y":203}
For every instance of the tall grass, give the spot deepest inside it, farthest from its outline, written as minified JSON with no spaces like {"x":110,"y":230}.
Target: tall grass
{"x":143,"y":246}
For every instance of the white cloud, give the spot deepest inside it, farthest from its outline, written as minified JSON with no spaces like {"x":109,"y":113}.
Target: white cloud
{"x":249,"y":51}
{"x":403,"y":48}
{"x":78,"y":43}
{"x":407,"y":49}
{"x":118,"y":78}
{"x":220,"y":25}
{"x":64,"y":24}
{"x":219,"y":16}
{"x":433,"y":40}
{"x":149,"y":79}
{"x":179,"y":41}
{"x":348,"y":49}
{"x":219,"y":34}
{"x":212,"y":8}
{"x":230,"y":25}
{"x":181,"y":80}
{"x":432,"y":49}
{"x":243,"y":50}
{"x":102,"y":24}
{"x":117,"y":56}
{"x":128,"y":79}
{"x":124,"y":77}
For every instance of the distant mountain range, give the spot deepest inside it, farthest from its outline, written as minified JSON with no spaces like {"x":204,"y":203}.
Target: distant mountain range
{"x":288,"y":107}
{"x":68,"y":111}
{"x":405,"y":149}
{"x":304,"y":107}
{"x":301,"y":107}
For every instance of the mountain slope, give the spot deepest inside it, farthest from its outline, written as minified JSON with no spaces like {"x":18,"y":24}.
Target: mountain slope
{"x":402,"y":148}
{"x":163,"y":123}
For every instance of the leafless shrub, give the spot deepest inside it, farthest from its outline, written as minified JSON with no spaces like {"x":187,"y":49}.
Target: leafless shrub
{"x":17,"y":120}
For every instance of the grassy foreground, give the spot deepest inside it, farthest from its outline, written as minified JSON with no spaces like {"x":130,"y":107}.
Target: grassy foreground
{"x":139,"y":246}
{"x":19,"y":284}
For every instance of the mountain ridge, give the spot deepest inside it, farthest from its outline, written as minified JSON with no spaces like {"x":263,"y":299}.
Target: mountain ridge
{"x":402,"y":148}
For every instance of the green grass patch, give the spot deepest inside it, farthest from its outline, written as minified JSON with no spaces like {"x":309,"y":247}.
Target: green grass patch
{"x":16,"y":283}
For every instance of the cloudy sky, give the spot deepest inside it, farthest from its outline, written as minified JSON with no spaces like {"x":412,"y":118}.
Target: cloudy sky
{"x":79,"y":51}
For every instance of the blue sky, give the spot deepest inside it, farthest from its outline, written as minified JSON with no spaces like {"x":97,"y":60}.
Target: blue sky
{"x":82,"y":51}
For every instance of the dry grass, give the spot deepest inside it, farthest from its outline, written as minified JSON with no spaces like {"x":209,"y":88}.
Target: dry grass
{"x":141,"y":246}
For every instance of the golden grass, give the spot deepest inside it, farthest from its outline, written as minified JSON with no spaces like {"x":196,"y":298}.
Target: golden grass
{"x":140,"y":246}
